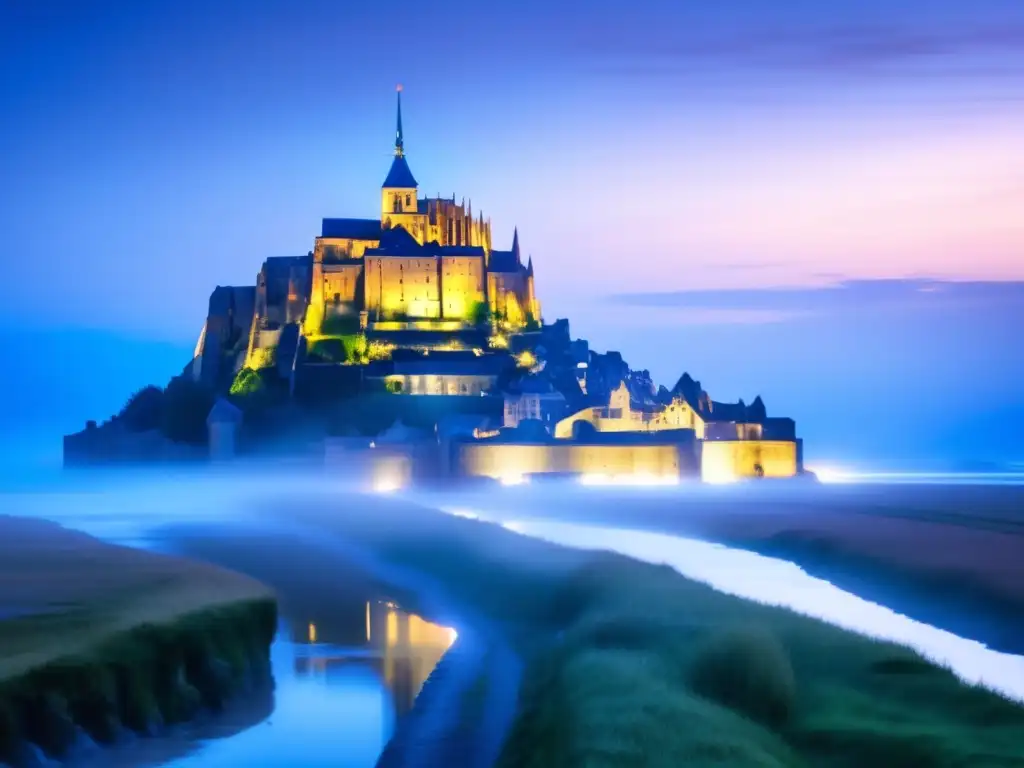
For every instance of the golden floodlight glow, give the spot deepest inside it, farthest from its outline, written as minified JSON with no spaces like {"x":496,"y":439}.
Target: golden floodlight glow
{"x":526,"y":359}
{"x":832,"y":474}
{"x":385,"y":485}
{"x":719,"y":476}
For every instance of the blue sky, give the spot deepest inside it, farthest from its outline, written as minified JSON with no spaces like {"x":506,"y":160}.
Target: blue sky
{"x":696,"y":156}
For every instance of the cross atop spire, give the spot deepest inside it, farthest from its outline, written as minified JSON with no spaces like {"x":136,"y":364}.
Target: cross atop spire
{"x":399,"y":146}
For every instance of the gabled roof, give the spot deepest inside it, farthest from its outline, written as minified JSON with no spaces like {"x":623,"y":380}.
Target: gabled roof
{"x":503,"y":261}
{"x":356,"y":229}
{"x":398,"y":242}
{"x":399,"y":177}
{"x":395,"y":241}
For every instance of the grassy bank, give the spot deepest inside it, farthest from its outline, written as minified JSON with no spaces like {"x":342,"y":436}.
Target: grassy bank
{"x":632,"y":664}
{"x":96,"y":638}
{"x":949,"y":556}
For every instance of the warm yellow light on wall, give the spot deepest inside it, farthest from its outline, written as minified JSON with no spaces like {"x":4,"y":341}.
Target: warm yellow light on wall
{"x":312,"y":632}
{"x":391,"y":628}
{"x":261,"y":357}
{"x":526,"y":359}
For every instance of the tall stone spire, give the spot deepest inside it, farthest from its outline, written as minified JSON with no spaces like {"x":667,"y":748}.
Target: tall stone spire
{"x":399,"y":177}
{"x":399,"y":145}
{"x":515,"y":244}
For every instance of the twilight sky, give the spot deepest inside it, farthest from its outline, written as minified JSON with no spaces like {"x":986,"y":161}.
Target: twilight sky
{"x":775,"y":196}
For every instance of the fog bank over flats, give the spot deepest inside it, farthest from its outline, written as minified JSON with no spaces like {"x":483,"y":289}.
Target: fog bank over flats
{"x":52,"y":380}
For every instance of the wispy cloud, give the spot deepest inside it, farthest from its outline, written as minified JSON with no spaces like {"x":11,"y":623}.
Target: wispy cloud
{"x":841,"y":48}
{"x":782,"y":304}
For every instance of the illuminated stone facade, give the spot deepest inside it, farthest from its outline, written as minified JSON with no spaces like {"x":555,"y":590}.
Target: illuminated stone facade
{"x":512,"y":462}
{"x":424,"y":258}
{"x":727,"y":460}
{"x":689,"y":436}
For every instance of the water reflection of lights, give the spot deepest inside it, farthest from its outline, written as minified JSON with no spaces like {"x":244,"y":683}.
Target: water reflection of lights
{"x":513,"y":479}
{"x":639,"y":480}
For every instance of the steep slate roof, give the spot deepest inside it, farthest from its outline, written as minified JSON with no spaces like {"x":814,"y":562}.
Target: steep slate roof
{"x":503,"y":261}
{"x":395,"y":242}
{"x":399,"y":177}
{"x":725,"y":412}
{"x":398,"y":242}
{"x":356,"y":229}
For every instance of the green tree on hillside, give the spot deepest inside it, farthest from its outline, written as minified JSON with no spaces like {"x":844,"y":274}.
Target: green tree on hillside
{"x":479,"y":314}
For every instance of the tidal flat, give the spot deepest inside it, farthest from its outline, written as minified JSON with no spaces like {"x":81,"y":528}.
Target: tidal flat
{"x":611,"y":660}
{"x":628,"y":663}
{"x":99,"y":642}
{"x":946,"y":555}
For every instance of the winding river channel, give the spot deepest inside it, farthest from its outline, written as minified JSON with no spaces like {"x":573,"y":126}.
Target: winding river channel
{"x":349,"y":668}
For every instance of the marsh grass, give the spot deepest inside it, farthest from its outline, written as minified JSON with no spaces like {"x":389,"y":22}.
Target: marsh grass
{"x":121,"y":638}
{"x":140,"y":679}
{"x":632,"y":664}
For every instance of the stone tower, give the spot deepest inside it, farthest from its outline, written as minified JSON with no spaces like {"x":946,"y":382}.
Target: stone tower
{"x":398,"y":197}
